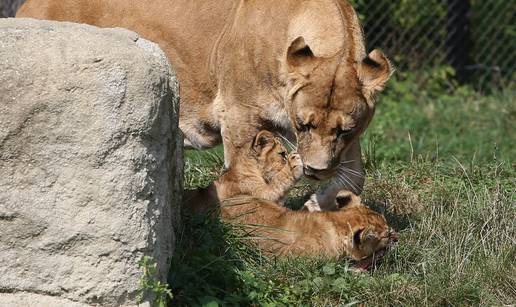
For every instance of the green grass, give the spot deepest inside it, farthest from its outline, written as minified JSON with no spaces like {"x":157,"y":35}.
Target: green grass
{"x":439,"y":166}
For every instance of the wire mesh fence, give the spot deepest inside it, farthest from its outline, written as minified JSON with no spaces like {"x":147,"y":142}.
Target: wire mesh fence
{"x":475,"y":37}
{"x":9,"y":7}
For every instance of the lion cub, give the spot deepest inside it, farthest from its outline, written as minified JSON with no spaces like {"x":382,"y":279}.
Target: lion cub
{"x":248,"y":194}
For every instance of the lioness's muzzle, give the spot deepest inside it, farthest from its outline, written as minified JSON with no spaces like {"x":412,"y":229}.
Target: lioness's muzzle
{"x":318,"y":174}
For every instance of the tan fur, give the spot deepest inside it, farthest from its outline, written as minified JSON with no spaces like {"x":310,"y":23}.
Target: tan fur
{"x":263,"y":169}
{"x":295,"y":67}
{"x":247,"y":197}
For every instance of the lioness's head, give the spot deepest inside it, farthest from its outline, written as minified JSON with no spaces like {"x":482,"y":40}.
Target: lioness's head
{"x":331,"y":101}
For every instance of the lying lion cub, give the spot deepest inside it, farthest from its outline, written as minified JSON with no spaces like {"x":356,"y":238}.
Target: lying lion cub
{"x":248,"y":194}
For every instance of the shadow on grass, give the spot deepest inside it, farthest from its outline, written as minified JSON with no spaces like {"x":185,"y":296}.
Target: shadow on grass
{"x":397,"y":221}
{"x":296,"y":202}
{"x":204,"y":269}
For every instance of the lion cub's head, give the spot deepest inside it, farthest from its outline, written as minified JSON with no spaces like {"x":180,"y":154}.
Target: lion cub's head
{"x":369,"y":234}
{"x":270,"y":154}
{"x":270,"y":157}
{"x":262,"y":169}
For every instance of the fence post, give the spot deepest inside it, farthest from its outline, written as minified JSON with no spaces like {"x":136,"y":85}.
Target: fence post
{"x":457,"y":39}
{"x":458,"y":42}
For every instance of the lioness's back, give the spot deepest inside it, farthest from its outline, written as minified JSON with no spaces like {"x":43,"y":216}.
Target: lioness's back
{"x":186,"y":30}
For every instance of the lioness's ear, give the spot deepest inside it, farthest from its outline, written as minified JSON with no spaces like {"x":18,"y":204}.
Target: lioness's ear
{"x":299,"y":54}
{"x":262,"y":139}
{"x":374,"y":71}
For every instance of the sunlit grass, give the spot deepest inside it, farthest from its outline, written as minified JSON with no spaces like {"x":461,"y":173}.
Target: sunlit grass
{"x":441,"y":170}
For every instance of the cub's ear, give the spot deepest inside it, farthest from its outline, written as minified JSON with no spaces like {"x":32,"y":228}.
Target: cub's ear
{"x":300,"y":56}
{"x":262,"y":139}
{"x":347,"y":199}
{"x":363,"y":235}
{"x":374,"y":72}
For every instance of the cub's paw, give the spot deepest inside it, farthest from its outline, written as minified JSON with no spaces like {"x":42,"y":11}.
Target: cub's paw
{"x":312,"y":205}
{"x":296,"y":165}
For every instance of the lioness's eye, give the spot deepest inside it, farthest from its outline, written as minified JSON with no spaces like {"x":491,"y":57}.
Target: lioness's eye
{"x":305,"y":124}
{"x":305,"y":127}
{"x":283,"y":154}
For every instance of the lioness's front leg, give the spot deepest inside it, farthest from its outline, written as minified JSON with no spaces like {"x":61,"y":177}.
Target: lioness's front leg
{"x":237,"y":130}
{"x":350,"y":176}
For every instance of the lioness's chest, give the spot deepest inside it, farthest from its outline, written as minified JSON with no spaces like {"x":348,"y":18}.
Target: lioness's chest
{"x":278,"y":116}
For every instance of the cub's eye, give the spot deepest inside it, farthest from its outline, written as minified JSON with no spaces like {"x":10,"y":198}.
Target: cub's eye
{"x":344,"y":131}
{"x":283,"y":154}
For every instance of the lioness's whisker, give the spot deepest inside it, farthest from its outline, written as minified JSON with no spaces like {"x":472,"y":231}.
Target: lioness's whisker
{"x":345,"y":182}
{"x":342,"y":180}
{"x":351,"y":171}
{"x":349,"y":182}
{"x":355,"y":185}
{"x":339,"y":179}
{"x":347,"y":162}
{"x":289,"y":143}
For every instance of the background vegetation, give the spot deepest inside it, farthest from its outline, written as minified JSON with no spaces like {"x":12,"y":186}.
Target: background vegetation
{"x":440,"y":166}
{"x":417,"y":34}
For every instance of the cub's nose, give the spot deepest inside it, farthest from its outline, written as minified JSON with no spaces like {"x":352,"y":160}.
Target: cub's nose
{"x":393,"y":236}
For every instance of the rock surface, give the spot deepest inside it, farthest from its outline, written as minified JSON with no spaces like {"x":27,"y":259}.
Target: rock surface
{"x":90,"y":161}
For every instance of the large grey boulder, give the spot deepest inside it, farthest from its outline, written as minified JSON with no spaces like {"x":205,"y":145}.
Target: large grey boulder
{"x":90,"y":162}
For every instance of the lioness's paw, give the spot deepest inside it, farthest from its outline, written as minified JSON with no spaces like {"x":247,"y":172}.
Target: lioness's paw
{"x":296,"y":165}
{"x":312,"y":205}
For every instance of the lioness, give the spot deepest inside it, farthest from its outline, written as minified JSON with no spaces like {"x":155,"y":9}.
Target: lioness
{"x":291,"y":66}
{"x":261,"y":175}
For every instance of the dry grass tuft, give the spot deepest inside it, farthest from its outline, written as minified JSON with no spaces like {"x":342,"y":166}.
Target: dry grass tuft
{"x":393,"y":193}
